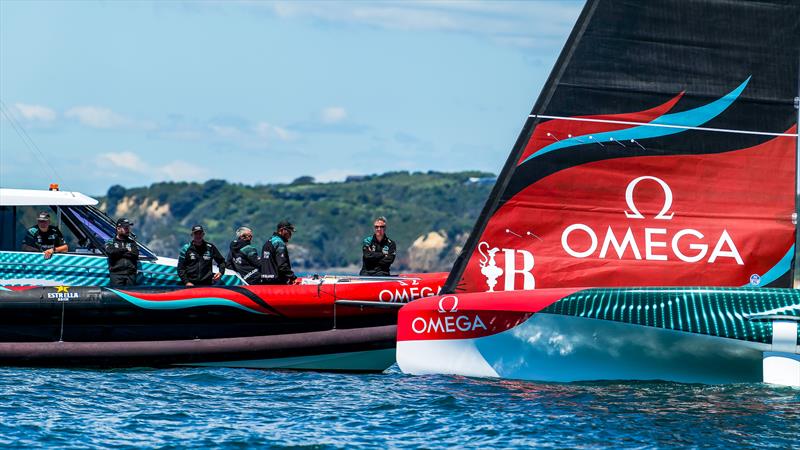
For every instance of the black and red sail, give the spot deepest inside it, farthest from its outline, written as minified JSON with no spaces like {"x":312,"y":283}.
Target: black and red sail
{"x":661,"y":152}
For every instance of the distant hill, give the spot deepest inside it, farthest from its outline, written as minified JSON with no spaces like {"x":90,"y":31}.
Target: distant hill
{"x":430,"y":215}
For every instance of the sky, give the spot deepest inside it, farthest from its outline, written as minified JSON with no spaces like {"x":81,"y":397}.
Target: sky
{"x":101,"y":93}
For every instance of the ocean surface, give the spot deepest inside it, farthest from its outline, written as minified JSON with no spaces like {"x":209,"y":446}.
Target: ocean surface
{"x":242,"y":408}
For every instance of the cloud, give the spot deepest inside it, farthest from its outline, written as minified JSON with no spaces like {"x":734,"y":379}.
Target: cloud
{"x":96,"y":117}
{"x":518,"y":24}
{"x":269,"y":131}
{"x":257,"y":136}
{"x":133,"y":164}
{"x":105,"y":118}
{"x":125,"y":160}
{"x":332,"y":119}
{"x":35,"y":112}
{"x":333,"y":114}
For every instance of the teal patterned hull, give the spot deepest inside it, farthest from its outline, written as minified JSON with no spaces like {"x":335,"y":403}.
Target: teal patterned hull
{"x":720,"y":312}
{"x":24,"y":268}
{"x":693,"y":335}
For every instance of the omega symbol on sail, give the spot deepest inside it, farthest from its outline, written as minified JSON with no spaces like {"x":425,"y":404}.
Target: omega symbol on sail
{"x":659,"y":244}
{"x":492,"y":272}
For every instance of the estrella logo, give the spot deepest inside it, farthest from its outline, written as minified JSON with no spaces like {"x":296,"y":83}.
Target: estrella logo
{"x":62,"y":294}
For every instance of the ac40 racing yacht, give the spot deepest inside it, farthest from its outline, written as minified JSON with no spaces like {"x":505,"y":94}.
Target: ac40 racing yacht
{"x":61,"y":312}
{"x":644,"y":226}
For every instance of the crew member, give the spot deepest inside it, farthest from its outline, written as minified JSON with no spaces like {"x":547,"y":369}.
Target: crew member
{"x":194,"y":262}
{"x":123,"y":255}
{"x":243,"y":256}
{"x":275,"y":265}
{"x":378,"y":251}
{"x":44,"y":237}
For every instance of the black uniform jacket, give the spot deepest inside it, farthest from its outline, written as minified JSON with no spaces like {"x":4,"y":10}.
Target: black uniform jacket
{"x":377,"y":256}
{"x":243,"y":258}
{"x":123,"y":256}
{"x":194,"y":263}
{"x":275,"y":265}
{"x":51,"y":238}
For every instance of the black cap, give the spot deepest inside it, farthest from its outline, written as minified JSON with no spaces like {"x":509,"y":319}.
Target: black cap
{"x":285,"y":224}
{"x":44,"y":215}
{"x":123,"y":222}
{"x":197,"y":228}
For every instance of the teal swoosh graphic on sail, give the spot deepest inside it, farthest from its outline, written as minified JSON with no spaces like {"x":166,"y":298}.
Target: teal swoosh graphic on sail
{"x":783,"y":266}
{"x":690,"y":118}
{"x":181,"y":304}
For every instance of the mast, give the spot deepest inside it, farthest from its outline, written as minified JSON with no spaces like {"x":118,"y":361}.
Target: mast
{"x":530,"y":123}
{"x":796,"y":271}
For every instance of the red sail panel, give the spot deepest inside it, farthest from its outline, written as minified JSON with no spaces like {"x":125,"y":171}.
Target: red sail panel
{"x":721,"y":219}
{"x":548,"y":132}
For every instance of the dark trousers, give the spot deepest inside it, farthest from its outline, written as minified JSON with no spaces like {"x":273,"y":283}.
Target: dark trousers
{"x":118,"y":279}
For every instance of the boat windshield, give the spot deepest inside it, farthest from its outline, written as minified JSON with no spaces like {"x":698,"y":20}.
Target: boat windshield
{"x":99,"y":227}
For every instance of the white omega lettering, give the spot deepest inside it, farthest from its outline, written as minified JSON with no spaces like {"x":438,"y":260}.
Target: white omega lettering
{"x":381,"y":297}
{"x":462,"y":323}
{"x":660,"y":244}
{"x":585,"y":229}
{"x":649,"y":244}
{"x":450,"y":324}
{"x":418,"y":320}
{"x":702,"y":249}
{"x":635,"y":214}
{"x":627,"y":241}
{"x":446,"y":300}
{"x":725,"y":238}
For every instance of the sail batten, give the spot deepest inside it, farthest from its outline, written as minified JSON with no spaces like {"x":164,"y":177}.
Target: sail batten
{"x":662,"y":125}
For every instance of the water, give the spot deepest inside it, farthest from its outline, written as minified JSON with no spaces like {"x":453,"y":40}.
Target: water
{"x":239,"y":408}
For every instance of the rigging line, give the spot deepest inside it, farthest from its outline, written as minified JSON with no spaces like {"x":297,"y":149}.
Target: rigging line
{"x":663,"y":125}
{"x":28,"y":141}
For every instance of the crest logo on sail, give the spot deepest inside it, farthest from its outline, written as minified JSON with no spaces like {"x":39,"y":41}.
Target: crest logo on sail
{"x":655,"y":240}
{"x":492,"y":272}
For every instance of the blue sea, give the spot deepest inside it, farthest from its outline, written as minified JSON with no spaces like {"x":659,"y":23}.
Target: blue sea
{"x":241,"y":408}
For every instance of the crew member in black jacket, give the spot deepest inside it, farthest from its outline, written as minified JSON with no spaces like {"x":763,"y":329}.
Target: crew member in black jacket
{"x":194,"y":261}
{"x":44,"y":237}
{"x":243,"y":256}
{"x":378,"y":251}
{"x":276,"y":268}
{"x":123,"y":255}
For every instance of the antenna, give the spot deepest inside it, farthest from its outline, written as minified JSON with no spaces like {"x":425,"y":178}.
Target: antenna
{"x":26,"y":139}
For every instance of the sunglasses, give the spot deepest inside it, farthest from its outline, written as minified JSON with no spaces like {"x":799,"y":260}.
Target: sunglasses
{"x":380,"y":226}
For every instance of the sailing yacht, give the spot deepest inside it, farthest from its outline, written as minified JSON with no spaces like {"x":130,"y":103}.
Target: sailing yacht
{"x":644,"y":225}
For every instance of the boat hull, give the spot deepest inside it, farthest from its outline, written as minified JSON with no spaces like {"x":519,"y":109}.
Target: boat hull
{"x":337,"y":326}
{"x":556,"y":348}
{"x":367,"y":349}
{"x":565,"y":335}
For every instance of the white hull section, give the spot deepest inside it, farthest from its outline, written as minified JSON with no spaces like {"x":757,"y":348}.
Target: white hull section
{"x":558,"y":348}
{"x":364,"y":361}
